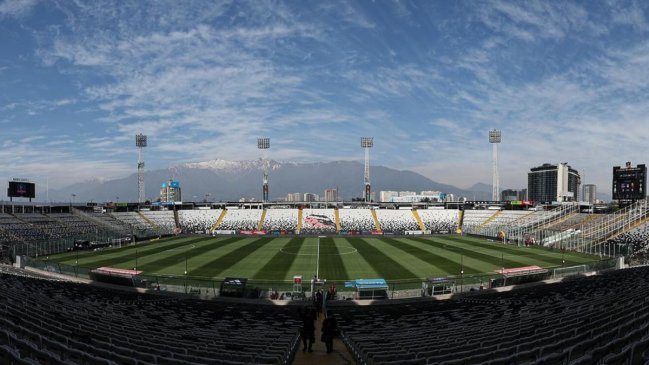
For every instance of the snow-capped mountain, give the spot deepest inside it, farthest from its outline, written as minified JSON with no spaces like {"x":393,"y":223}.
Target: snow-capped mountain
{"x":221,"y":180}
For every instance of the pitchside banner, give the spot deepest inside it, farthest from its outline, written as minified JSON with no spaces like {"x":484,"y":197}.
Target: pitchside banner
{"x":223,"y":231}
{"x":253,"y":233}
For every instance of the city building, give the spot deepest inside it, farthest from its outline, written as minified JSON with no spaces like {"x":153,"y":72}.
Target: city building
{"x":590,"y":193}
{"x":411,"y":196}
{"x":509,"y":195}
{"x":550,"y":183}
{"x":386,"y":196}
{"x":310,"y":197}
{"x":294,"y":197}
{"x":331,"y":195}
{"x":170,"y":191}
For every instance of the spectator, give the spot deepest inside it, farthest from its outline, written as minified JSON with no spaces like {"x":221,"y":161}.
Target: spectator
{"x":329,"y":330}
{"x":308,"y":329}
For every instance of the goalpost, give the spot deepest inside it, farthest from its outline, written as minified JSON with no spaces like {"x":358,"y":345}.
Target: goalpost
{"x":560,"y":272}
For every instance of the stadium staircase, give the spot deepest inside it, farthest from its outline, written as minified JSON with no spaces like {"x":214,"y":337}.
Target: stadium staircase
{"x":149,"y":222}
{"x":116,"y":227}
{"x":421,"y":224}
{"x":561,"y":220}
{"x":176,"y":219}
{"x":340,"y":354}
{"x":299,"y":219}
{"x":610,"y":225}
{"x":377,"y":225}
{"x":460,"y":221}
{"x":260,"y":226}
{"x":218,"y":221}
{"x":337,"y":212}
{"x":490,"y":219}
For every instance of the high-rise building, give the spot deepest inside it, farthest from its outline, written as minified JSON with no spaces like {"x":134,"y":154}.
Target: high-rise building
{"x":553,"y":183}
{"x":331,"y":195}
{"x":310,"y":197}
{"x":590,"y":193}
{"x":170,"y":191}
{"x":509,"y":195}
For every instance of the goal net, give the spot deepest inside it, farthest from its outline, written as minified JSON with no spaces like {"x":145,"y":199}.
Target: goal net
{"x":561,"y":272}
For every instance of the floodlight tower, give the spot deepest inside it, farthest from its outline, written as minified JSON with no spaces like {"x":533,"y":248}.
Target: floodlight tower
{"x":264,"y":144}
{"x":494,"y":139}
{"x":366,"y":144}
{"x":140,"y":143}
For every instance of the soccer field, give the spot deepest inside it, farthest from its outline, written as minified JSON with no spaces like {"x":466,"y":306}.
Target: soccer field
{"x":334,"y":258}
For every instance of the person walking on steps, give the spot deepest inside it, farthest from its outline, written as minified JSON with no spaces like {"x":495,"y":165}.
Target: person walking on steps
{"x":308,"y":329}
{"x":329,"y":330}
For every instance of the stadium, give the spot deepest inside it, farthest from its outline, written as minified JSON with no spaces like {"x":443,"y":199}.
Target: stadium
{"x":535,"y":282}
{"x":285,"y":244}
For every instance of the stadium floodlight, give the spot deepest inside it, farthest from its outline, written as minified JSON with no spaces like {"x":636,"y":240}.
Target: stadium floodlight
{"x":495,"y":137}
{"x":264,"y":144}
{"x":140,"y":143}
{"x":366,"y":144}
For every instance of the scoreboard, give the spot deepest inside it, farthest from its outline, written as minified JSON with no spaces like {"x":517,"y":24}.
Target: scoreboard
{"x":629,"y":183}
{"x":21,"y":189}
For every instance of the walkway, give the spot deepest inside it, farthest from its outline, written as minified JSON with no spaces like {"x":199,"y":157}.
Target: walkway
{"x":340,"y":355}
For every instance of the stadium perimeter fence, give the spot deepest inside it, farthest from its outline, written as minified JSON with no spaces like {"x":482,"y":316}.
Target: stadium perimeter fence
{"x":210,"y":288}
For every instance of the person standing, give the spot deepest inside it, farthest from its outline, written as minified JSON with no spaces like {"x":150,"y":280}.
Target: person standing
{"x":329,"y":330}
{"x":318,"y":303}
{"x":308,"y":329}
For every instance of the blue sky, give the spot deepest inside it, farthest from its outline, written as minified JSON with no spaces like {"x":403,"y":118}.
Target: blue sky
{"x":564,"y":81}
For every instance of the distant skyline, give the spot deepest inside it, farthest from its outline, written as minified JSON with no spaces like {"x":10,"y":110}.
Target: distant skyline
{"x":563,"y":81}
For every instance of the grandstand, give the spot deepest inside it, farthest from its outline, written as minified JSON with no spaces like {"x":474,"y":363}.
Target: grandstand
{"x":357,"y":220}
{"x":318,"y":221}
{"x":241,"y":219}
{"x":439,"y":220}
{"x":198,"y":221}
{"x":565,"y":322}
{"x":280,"y":219}
{"x":599,"y":319}
{"x":397,"y":220}
{"x":54,"y":322}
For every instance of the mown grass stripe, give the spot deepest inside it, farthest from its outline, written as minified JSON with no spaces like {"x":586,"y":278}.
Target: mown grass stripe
{"x":171,"y":260}
{"x":467,"y":252}
{"x":442,"y":263}
{"x":217,"y":266}
{"x":278,"y":266}
{"x":116,"y":252}
{"x":538,"y":255}
{"x":380,"y":262}
{"x":109,"y":258}
{"x":331,"y":264}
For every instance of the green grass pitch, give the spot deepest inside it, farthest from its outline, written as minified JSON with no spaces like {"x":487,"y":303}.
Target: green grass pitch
{"x":340,"y":258}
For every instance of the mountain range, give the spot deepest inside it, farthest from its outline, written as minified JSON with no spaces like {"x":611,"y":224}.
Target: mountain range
{"x":220,"y":180}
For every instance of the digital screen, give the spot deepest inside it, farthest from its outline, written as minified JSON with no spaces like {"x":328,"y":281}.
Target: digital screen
{"x":19,"y":189}
{"x":629,"y":183}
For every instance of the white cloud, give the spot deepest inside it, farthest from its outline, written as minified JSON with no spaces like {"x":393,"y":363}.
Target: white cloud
{"x":17,"y":8}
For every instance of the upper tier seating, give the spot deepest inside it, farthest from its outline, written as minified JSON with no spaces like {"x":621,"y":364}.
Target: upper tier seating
{"x":163,"y":219}
{"x":280,"y":219}
{"x":241,"y":219}
{"x":198,"y":221}
{"x":439,"y":220}
{"x":396,"y":220}
{"x":318,"y":220}
{"x":359,"y":220}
